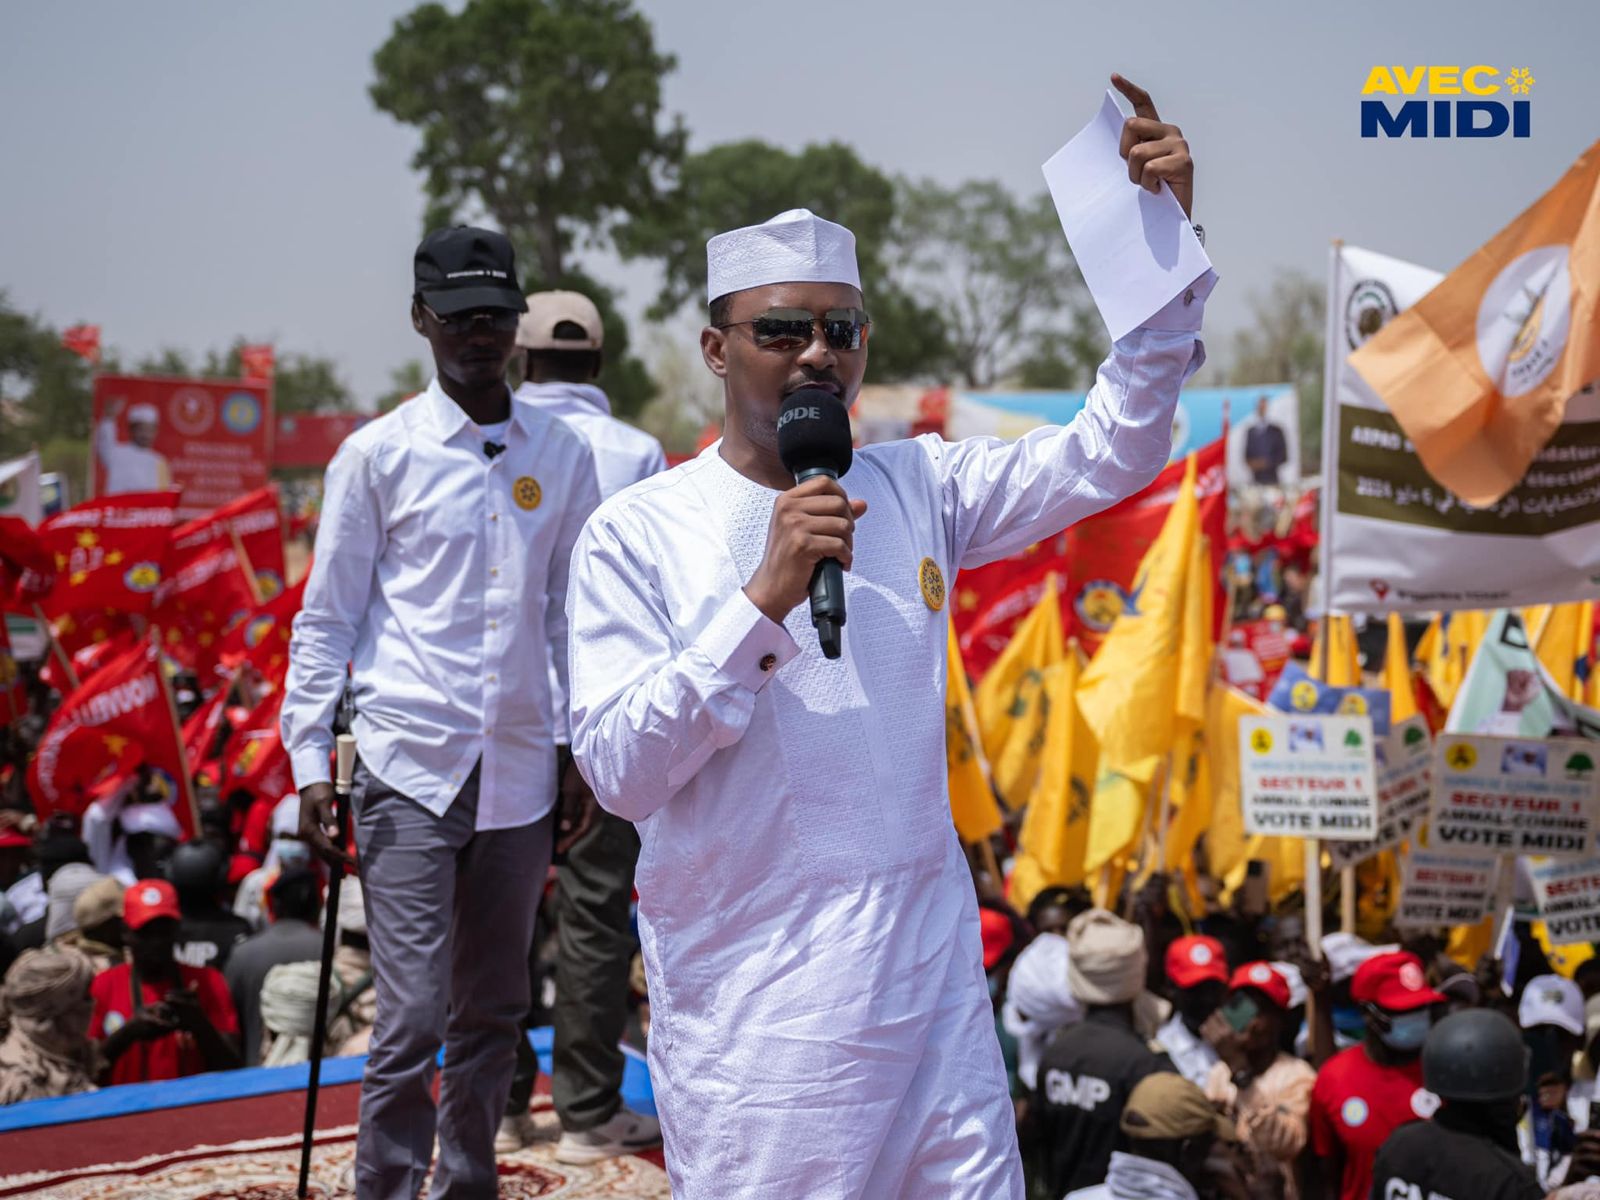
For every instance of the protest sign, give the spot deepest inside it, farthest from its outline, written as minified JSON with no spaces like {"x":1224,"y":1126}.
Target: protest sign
{"x":212,"y":438}
{"x":1398,"y":539}
{"x":1568,"y":895}
{"x":1513,"y":795}
{"x":1308,"y":776}
{"x":1297,"y":692}
{"x":1404,"y":764}
{"x":1445,"y":889}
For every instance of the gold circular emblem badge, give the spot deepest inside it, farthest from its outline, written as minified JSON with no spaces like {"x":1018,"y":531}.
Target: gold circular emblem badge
{"x":527,"y":493}
{"x":931,"y":580}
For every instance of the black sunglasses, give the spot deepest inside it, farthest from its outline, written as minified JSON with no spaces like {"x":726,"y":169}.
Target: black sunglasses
{"x":791,"y":328}
{"x":501,"y":320}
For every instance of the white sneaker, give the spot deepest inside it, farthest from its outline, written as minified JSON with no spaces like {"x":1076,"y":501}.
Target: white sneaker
{"x":515,"y":1133}
{"x":625,"y":1133}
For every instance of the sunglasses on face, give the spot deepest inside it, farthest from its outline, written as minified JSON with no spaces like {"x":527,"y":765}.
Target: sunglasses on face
{"x":791,"y":328}
{"x":500,"y":320}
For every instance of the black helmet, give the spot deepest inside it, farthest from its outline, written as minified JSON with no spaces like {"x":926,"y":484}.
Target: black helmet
{"x":1476,"y":1054}
{"x":198,"y":868}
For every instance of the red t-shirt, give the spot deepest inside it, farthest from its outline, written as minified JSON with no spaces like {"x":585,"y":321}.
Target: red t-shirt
{"x":1356,"y":1104}
{"x":170,"y":1057}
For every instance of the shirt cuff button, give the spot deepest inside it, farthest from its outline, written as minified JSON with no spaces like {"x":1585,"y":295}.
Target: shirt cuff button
{"x":768,"y":661}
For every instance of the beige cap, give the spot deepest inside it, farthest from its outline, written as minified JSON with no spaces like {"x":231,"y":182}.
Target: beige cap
{"x":1164,"y":1106}
{"x":1106,"y":958}
{"x":546,"y":310}
{"x":98,"y":903}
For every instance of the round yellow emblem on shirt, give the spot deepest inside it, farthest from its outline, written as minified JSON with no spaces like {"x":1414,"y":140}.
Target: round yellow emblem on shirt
{"x":931,"y":580}
{"x":527,"y":493}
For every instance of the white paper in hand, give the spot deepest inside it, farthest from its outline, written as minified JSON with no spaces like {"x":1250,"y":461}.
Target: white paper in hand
{"x":1136,"y":249}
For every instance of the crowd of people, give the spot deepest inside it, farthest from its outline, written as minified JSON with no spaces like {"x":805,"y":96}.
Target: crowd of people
{"x":1176,"y":1055}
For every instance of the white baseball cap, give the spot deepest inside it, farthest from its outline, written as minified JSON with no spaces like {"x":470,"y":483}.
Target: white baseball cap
{"x":1345,"y":952}
{"x":1552,"y":1000}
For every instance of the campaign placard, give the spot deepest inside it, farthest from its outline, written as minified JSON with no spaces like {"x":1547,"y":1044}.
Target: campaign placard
{"x":1567,"y":892}
{"x":1445,"y":889}
{"x":1513,"y":795}
{"x":1405,"y":790}
{"x":209,"y":438}
{"x":1308,"y":776}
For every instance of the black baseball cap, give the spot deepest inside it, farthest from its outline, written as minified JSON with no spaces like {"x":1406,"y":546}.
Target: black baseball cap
{"x":463,"y":268}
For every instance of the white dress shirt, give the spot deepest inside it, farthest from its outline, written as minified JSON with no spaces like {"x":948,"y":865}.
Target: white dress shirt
{"x":622,"y":455}
{"x":441,"y":576}
{"x":821,"y":1022}
{"x":129,"y":467}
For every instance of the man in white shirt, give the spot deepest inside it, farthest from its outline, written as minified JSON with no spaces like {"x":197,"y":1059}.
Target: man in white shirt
{"x":134,"y":465}
{"x":440,"y":576}
{"x":564,"y":338}
{"x":821,"y":1025}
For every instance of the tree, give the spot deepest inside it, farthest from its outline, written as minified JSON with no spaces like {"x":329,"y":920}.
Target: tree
{"x":301,"y":383}
{"x":405,"y":381}
{"x":1004,"y":278}
{"x":544,"y":118}
{"x":1283,"y":343}
{"x":744,"y":183}
{"x":44,"y":392}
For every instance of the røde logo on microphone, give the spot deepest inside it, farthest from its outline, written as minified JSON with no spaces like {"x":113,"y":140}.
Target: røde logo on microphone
{"x":804,"y":413}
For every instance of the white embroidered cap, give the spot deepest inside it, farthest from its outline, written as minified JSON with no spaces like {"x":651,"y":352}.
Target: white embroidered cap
{"x":793,"y":247}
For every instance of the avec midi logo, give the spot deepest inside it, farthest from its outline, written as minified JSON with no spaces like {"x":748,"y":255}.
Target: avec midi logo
{"x":1468,"y":113}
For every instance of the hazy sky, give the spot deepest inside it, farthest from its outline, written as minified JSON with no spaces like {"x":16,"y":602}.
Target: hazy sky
{"x":182,"y":172}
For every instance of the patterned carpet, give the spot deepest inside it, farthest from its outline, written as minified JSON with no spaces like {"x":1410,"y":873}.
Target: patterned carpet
{"x":268,"y":1169}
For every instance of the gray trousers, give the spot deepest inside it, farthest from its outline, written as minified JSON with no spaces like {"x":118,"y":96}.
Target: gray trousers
{"x":449,"y":916}
{"x":594,"y":947}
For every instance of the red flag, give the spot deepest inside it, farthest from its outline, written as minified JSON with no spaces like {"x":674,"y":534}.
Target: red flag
{"x":108,"y":553}
{"x":205,"y":594}
{"x":253,"y":519}
{"x":1098,"y":557}
{"x":262,"y":639}
{"x":256,"y":362}
{"x":200,"y":730}
{"x":89,"y":657}
{"x":77,"y":632}
{"x":27,"y":570}
{"x":83,"y":340}
{"x":255,"y":760}
{"x":121,"y":718}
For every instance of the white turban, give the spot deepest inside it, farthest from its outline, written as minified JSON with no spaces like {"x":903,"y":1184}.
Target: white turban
{"x":289,"y":1010}
{"x":144,"y":414}
{"x":66,"y":885}
{"x":157,"y":817}
{"x":1038,"y":1001}
{"x":793,"y":247}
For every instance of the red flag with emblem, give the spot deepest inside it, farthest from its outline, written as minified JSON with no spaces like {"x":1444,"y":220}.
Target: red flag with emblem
{"x":205,"y":594}
{"x":89,"y":656}
{"x":252,"y":523}
{"x":255,"y":760}
{"x":200,"y":730}
{"x":257,"y":361}
{"x":83,"y":340}
{"x":1098,"y":557}
{"x":262,"y":639}
{"x":108,"y":553}
{"x":119,"y":719}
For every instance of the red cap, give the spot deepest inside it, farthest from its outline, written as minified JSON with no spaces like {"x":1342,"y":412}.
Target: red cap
{"x":997,"y":936}
{"x":147,"y":900}
{"x":11,"y":839}
{"x":1393,"y":981}
{"x":1263,"y":978}
{"x":1192,"y":960}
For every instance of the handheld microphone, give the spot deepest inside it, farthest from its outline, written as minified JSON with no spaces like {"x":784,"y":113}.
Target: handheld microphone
{"x":814,"y":439}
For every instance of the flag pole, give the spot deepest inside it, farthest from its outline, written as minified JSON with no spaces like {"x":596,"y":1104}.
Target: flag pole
{"x":185,"y":780}
{"x":243,"y":556}
{"x":56,"y":648}
{"x":1330,"y":433}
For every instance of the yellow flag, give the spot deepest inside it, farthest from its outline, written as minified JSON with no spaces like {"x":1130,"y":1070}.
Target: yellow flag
{"x":1192,"y":801}
{"x":1055,"y":831}
{"x":1469,"y":943}
{"x":1561,"y":637}
{"x":1446,"y":650}
{"x":1116,"y":812}
{"x":971,"y":801}
{"x":1344,"y":656}
{"x":1564,"y":960}
{"x":1478,"y":372}
{"x":1010,"y":700}
{"x":1130,"y":695}
{"x":1226,"y":844}
{"x":1397,"y":672}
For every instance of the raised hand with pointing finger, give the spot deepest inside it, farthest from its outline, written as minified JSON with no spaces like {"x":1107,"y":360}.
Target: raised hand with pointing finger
{"x":1155,"y":151}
